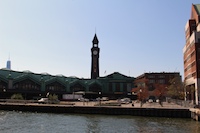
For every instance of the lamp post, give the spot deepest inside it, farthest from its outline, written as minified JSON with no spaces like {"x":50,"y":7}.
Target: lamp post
{"x":73,"y":94}
{"x":99,"y":98}
{"x":84,"y":98}
{"x":140,"y":97}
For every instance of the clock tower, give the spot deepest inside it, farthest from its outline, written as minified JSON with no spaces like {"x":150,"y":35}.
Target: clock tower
{"x":95,"y":58}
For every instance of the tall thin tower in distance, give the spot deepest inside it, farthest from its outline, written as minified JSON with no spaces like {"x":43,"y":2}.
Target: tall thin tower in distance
{"x":8,"y":64}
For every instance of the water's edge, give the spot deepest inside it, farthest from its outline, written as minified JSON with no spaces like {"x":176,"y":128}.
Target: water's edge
{"x":152,"y":112}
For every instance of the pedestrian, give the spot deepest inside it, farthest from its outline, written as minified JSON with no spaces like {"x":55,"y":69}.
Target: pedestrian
{"x":160,"y":100}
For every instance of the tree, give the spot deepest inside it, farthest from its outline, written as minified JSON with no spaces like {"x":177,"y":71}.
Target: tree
{"x":176,"y":88}
{"x":53,"y":98}
{"x":160,"y":92}
{"x":160,"y":89}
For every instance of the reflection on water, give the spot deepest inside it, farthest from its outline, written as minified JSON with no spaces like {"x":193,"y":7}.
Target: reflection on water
{"x":24,"y":122}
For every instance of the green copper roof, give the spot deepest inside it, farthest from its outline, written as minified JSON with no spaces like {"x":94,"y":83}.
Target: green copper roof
{"x":197,"y":7}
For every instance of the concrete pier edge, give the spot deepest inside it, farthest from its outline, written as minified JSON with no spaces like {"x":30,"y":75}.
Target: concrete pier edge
{"x":104,"y":110}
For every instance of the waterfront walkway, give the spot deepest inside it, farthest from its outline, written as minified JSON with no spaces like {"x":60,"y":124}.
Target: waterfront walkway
{"x":102,"y":103}
{"x":102,"y":107}
{"x":136,"y":104}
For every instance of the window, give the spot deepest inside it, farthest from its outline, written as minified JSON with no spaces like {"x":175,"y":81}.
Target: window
{"x":117,"y":87}
{"x":151,"y":87}
{"x":161,"y":76}
{"x":151,"y":76}
{"x":161,"y":81}
{"x":151,"y":81}
{"x":110,"y":87}
{"x":124,"y":87}
{"x":26,"y":85}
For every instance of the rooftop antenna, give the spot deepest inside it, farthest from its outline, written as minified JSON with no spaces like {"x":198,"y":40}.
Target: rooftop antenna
{"x":9,"y":56}
{"x":95,"y":30}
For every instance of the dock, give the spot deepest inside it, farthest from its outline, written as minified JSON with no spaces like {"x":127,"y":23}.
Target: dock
{"x":148,"y":109}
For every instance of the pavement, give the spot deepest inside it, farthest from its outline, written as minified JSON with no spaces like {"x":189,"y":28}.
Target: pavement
{"x":97,"y":103}
{"x":136,"y":104}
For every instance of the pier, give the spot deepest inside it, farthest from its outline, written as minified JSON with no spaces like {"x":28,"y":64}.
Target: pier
{"x":148,"y":109}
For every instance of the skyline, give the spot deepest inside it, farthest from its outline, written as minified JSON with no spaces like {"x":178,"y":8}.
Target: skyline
{"x":56,"y":36}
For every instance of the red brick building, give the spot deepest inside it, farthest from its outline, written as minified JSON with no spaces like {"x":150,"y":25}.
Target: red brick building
{"x":191,"y":54}
{"x":152,"y":85}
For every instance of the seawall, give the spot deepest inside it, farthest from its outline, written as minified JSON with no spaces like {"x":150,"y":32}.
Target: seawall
{"x":105,"y":110}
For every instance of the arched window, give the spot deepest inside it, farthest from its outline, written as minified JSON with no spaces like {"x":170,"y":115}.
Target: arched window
{"x":124,"y":87}
{"x":55,"y":86}
{"x":117,"y":87}
{"x":110,"y":87}
{"x":77,"y":87}
{"x":26,"y":85}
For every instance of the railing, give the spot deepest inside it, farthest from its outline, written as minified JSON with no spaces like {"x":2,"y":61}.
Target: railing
{"x":188,"y":103}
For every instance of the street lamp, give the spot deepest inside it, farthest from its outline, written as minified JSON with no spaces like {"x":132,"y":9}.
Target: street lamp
{"x":140,"y":97}
{"x":73,"y":94}
{"x":99,"y":98}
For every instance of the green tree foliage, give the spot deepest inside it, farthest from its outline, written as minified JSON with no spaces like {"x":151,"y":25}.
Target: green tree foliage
{"x":17,"y":96}
{"x":53,"y":98}
{"x":176,"y":88}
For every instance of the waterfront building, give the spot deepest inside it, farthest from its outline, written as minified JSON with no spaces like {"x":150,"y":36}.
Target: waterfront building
{"x":32,"y":85}
{"x":154,"y":84}
{"x":191,"y":55}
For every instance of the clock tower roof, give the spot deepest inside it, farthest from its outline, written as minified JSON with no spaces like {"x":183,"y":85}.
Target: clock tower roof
{"x":95,"y":40}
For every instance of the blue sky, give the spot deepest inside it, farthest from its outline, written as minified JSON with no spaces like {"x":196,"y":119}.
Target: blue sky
{"x":55,"y":36}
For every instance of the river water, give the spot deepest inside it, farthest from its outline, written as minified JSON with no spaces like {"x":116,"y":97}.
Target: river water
{"x":26,"y":122}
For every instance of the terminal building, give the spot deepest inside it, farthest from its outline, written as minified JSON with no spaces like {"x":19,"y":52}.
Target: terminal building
{"x":191,"y":55}
{"x":115,"y":85}
{"x":32,"y":85}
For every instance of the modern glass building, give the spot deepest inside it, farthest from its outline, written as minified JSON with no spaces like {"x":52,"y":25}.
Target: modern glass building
{"x":8,"y":64}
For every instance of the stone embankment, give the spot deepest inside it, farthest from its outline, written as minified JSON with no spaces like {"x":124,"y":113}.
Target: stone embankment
{"x":195,"y":113}
{"x":148,"y":109}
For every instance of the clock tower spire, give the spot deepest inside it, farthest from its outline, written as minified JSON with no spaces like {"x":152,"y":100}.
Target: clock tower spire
{"x":95,"y":58}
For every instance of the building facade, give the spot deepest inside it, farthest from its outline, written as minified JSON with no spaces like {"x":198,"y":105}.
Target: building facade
{"x":191,"y":54}
{"x":32,"y":85}
{"x":152,"y":85}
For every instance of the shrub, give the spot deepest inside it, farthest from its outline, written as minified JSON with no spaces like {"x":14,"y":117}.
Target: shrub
{"x":53,"y":98}
{"x":17,"y":96}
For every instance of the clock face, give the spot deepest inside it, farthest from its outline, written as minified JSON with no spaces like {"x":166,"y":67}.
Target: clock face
{"x":95,"y":52}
